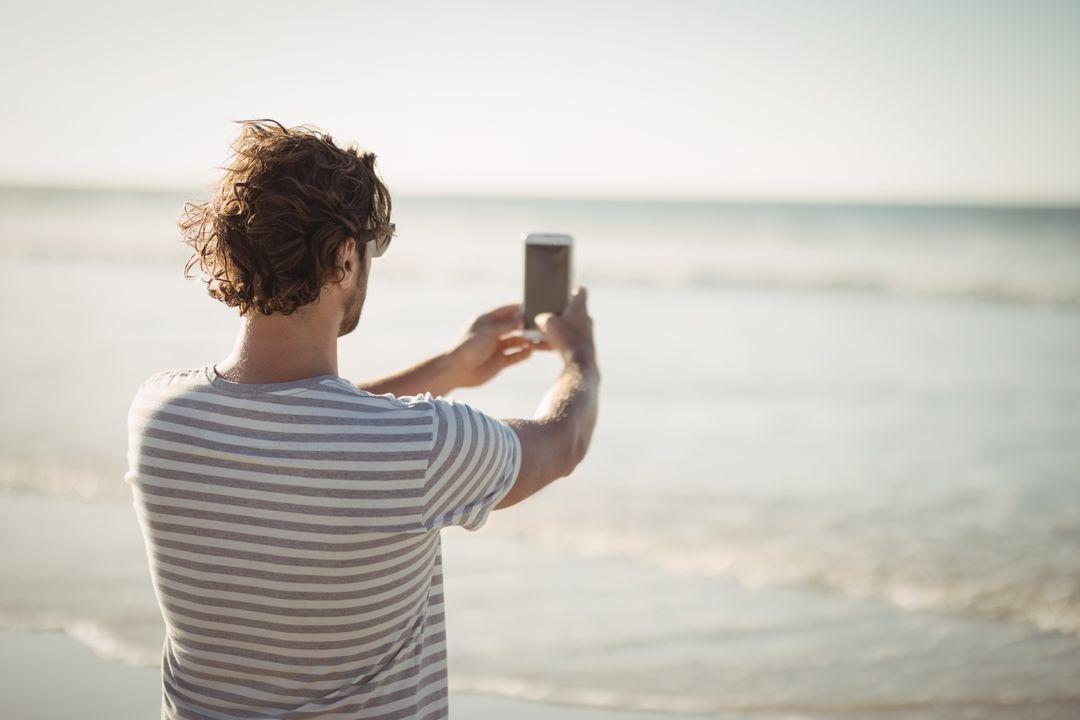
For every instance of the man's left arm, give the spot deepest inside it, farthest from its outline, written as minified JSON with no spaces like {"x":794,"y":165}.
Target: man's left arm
{"x":491,"y":343}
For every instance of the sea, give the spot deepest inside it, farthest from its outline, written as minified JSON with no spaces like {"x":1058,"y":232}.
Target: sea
{"x":836,"y":472}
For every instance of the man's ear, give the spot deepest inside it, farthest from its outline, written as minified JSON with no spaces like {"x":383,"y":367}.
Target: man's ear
{"x":345,"y":252}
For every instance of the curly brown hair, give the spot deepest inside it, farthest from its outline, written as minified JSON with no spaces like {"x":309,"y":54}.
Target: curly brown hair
{"x":267,"y":239}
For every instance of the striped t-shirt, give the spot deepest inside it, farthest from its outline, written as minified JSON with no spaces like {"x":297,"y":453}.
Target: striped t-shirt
{"x":292,"y":531}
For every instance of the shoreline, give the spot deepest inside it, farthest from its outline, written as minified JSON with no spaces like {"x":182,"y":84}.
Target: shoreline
{"x":46,"y":675}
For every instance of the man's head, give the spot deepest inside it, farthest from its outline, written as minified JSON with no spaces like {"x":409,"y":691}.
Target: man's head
{"x":291,"y":214}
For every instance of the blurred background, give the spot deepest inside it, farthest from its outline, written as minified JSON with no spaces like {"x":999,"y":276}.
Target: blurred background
{"x":833,"y":251}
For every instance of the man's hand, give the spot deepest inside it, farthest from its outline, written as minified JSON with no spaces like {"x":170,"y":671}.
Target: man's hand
{"x":492,"y":342}
{"x":558,"y":436}
{"x":571,"y":332}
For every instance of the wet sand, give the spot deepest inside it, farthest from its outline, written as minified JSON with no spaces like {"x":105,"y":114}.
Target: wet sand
{"x":45,"y":676}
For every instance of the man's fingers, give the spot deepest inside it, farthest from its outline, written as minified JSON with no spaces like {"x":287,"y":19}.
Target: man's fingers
{"x":542,"y":320}
{"x":501,"y":320}
{"x":511,"y":358}
{"x":513,"y":341}
{"x":578,"y":298}
{"x":503,"y":360}
{"x":508,"y":309}
{"x":513,"y":310}
{"x":505,"y":325}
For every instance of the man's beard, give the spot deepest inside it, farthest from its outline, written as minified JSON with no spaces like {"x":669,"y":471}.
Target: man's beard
{"x":352,"y":311}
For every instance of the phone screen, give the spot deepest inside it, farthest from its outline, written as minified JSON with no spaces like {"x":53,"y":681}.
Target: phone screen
{"x":547,"y":280}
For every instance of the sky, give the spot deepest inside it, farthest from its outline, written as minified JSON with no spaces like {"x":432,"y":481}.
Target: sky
{"x":940,"y":101}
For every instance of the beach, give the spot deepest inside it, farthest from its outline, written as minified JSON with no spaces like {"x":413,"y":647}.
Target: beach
{"x":835,"y":473}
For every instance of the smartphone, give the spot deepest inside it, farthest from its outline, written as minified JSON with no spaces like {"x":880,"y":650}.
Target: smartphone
{"x":548,"y":268}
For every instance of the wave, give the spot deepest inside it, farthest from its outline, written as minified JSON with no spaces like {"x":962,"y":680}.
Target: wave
{"x":611,"y":692}
{"x":1021,"y":255}
{"x":599,"y":698}
{"x":1046,"y":285}
{"x":136,"y":644}
{"x":998,"y":577}
{"x":1050,"y":281}
{"x":50,"y":477}
{"x":1049,"y":602}
{"x":718,"y":707}
{"x":1043,"y":293}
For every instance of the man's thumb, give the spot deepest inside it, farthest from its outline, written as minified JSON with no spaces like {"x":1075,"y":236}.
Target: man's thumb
{"x":542,"y":320}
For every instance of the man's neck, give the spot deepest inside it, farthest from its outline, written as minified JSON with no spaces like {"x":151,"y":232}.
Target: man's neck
{"x":281,"y":348}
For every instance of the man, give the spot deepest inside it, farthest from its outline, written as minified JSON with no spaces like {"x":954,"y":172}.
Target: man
{"x":291,"y":518}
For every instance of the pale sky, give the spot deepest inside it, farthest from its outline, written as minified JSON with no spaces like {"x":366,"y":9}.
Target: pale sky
{"x":942,"y":100}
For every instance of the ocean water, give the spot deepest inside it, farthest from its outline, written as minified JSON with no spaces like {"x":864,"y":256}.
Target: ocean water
{"x":836,"y":473}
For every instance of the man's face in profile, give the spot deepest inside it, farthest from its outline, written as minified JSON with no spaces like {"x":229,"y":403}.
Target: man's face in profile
{"x":354,"y":302}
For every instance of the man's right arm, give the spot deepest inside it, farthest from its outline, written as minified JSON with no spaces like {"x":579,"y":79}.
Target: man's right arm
{"x":556,"y":440}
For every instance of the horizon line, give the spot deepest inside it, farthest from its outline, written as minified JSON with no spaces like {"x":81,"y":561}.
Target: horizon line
{"x":1063,"y":203}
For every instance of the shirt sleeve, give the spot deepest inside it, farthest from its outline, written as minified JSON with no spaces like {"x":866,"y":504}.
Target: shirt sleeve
{"x":473,"y":464}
